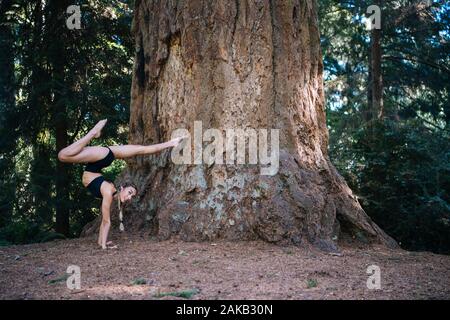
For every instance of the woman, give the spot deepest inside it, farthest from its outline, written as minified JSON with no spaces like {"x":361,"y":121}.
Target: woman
{"x":98,"y":158}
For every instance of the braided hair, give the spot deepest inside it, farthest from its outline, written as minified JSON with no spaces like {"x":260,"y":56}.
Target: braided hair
{"x":119,"y":203}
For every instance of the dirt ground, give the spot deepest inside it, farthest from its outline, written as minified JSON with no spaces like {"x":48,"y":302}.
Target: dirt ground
{"x":147,"y":269}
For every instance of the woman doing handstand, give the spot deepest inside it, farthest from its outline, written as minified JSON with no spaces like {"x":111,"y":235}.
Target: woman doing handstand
{"x":97,"y":158}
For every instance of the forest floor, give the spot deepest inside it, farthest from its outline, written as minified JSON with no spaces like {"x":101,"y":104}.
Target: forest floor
{"x":173,"y":269}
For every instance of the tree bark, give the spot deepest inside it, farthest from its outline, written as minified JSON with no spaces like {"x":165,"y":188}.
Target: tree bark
{"x":57,"y":59}
{"x":7,"y":116}
{"x":376,"y":80}
{"x":368,"y":109}
{"x":237,"y":64}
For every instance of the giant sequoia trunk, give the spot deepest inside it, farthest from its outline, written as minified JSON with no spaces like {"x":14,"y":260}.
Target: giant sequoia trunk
{"x":7,"y":105}
{"x":376,"y":78}
{"x":236,"y":64}
{"x":57,"y":60}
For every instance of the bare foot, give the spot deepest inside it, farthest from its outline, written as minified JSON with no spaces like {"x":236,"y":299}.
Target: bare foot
{"x":109,"y":243}
{"x":97,"y":130}
{"x":176,"y":141}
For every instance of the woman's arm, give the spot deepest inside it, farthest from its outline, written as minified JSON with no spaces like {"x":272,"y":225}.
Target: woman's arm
{"x":106,"y":221}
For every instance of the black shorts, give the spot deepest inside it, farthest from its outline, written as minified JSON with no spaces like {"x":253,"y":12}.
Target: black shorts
{"x":97,"y":166}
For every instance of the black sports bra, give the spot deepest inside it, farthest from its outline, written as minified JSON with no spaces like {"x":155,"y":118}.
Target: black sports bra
{"x":95,"y":185}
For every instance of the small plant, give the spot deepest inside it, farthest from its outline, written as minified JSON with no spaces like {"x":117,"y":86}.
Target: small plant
{"x":60,"y":279}
{"x":138,"y":282}
{"x":187,"y":294}
{"x":311,"y":283}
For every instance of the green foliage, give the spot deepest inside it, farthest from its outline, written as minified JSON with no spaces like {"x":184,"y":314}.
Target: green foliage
{"x":4,"y":243}
{"x":60,"y":279}
{"x":19,"y":232}
{"x":401,"y":172}
{"x":110,"y":173}
{"x":22,"y":232}
{"x":138,"y":282}
{"x":311,"y":283}
{"x":187,"y":294}
{"x":53,"y":77}
{"x":398,"y":165}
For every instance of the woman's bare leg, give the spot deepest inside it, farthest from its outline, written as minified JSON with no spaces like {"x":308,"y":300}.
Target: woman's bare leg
{"x":131,"y":150}
{"x":88,"y":154}
{"x":75,"y":148}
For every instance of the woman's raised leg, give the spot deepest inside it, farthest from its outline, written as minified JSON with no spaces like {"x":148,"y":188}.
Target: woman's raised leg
{"x":68,"y":153}
{"x":88,"y":154}
{"x":131,"y":150}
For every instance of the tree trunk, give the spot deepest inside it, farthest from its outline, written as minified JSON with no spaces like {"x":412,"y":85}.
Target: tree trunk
{"x":41,"y":175}
{"x":62,"y":181}
{"x":57,"y":59}
{"x":7,"y":78}
{"x":376,"y":73}
{"x":367,"y":110}
{"x":244,"y":64}
{"x":7,"y":116}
